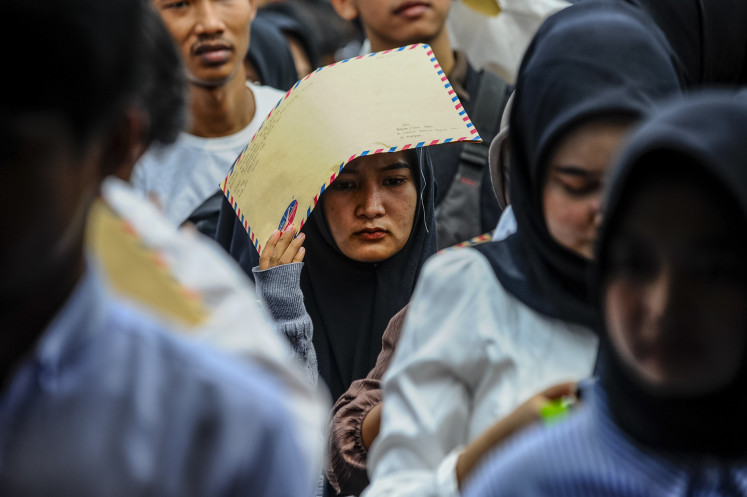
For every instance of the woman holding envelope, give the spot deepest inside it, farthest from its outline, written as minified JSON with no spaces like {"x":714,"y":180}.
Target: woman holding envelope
{"x":353,"y":265}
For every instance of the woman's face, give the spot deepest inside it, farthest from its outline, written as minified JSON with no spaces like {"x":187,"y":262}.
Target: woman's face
{"x":573,"y":185}
{"x":371,"y":205}
{"x":676,"y":287}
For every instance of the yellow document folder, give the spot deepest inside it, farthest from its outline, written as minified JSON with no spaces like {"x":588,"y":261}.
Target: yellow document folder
{"x":137,"y":271}
{"x":375,"y":103}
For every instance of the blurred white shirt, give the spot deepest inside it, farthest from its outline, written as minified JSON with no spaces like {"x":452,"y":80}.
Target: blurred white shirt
{"x":498,"y":43}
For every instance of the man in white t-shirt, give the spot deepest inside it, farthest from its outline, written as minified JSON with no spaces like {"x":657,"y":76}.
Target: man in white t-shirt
{"x":224,"y":110}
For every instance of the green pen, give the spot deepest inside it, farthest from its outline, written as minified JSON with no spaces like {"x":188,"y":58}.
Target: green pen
{"x":557,"y":410}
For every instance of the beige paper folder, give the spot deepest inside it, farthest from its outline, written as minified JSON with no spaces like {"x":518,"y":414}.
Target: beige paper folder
{"x":375,"y":103}
{"x":137,"y":272}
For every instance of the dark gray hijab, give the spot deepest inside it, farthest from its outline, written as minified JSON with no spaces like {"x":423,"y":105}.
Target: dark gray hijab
{"x":706,"y":132}
{"x":591,"y":60}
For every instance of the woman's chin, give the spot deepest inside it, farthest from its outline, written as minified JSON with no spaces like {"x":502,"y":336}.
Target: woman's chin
{"x":371,"y":253}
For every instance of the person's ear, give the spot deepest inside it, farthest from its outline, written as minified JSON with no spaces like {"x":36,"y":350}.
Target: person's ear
{"x":125,"y":144}
{"x":253,"y":14}
{"x":345,"y":9}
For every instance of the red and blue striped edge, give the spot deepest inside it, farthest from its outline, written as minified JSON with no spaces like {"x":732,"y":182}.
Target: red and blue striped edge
{"x":479,"y":239}
{"x":473,"y":134}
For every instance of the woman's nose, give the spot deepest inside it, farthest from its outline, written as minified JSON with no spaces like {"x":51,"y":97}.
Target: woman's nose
{"x":595,"y":208}
{"x":659,"y":293}
{"x":669,"y":295}
{"x":370,"y":204}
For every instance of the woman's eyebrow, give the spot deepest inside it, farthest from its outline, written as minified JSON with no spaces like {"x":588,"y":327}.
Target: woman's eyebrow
{"x":396,"y":165}
{"x":576,"y":171}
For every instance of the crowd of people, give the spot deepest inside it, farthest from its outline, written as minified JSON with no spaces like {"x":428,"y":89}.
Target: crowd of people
{"x":557,"y":310}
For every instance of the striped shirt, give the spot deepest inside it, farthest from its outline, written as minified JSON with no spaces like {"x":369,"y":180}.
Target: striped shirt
{"x":588,"y":455}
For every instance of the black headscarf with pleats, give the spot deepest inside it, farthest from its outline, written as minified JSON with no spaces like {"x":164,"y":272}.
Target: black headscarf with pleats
{"x":707,"y":133}
{"x":591,"y":60}
{"x":708,"y":36}
{"x":350,"y":302}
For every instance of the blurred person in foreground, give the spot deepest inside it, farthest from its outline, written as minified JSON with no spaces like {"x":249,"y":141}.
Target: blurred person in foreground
{"x":180,"y":277}
{"x":97,"y":398}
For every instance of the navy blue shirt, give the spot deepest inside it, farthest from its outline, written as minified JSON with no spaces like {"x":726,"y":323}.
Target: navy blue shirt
{"x":109,"y":403}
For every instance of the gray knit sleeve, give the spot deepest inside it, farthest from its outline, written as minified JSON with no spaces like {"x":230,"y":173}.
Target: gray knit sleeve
{"x":279,"y":288}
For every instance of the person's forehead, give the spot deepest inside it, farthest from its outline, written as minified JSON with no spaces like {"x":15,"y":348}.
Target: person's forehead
{"x":379,"y":162}
{"x":681,"y":207}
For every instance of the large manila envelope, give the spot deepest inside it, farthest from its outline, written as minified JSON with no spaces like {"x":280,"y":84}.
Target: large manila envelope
{"x":376,"y":103}
{"x":137,"y":271}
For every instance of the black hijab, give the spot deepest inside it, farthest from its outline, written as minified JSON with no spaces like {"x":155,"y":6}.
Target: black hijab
{"x":708,"y":131}
{"x":591,"y":60}
{"x":270,"y":55}
{"x":709,"y":38}
{"x":293,"y":20}
{"x":350,"y":302}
